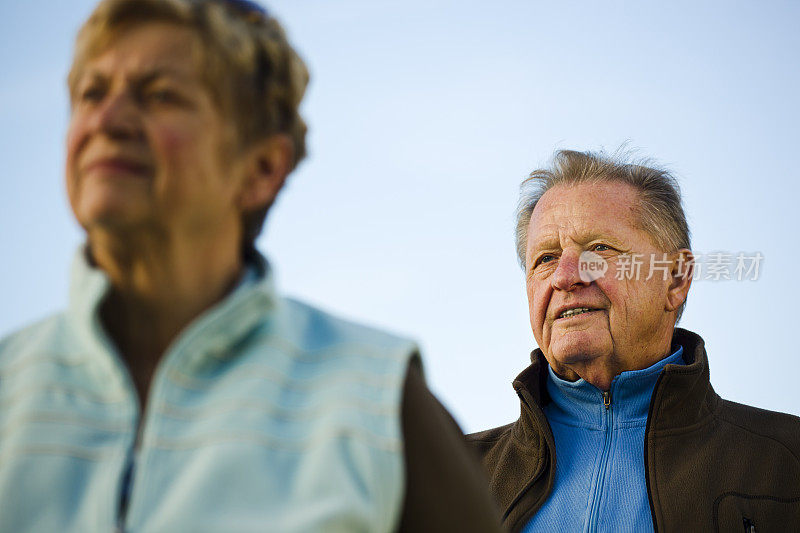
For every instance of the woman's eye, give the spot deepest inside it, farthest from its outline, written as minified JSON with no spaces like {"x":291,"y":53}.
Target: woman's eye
{"x":162,"y":96}
{"x":91,"y":94}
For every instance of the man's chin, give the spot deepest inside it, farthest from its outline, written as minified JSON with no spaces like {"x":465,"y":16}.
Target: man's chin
{"x":577,"y":349}
{"x":571,"y":365}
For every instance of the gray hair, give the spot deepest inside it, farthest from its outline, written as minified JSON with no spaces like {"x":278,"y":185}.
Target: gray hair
{"x":660,"y":211}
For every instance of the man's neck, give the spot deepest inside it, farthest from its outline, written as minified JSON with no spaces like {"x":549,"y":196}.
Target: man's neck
{"x":601,"y":371}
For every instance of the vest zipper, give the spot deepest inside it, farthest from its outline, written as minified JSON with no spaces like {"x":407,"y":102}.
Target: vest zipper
{"x":133,"y":454}
{"x":127,"y":479}
{"x":127,"y":483}
{"x":125,"y":496}
{"x":598,"y":492}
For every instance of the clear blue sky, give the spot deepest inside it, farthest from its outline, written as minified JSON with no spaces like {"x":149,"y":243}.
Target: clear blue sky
{"x":424,"y":117}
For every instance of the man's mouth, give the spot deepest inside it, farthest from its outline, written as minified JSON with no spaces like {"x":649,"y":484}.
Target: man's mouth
{"x":575,"y":312}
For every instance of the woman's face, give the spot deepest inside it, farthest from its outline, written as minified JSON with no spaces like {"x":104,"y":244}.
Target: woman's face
{"x":147,"y":148}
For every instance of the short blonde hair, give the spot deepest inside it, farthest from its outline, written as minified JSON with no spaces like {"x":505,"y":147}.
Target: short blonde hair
{"x":254,"y":74}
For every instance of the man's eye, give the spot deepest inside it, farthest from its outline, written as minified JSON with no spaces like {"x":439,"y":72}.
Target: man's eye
{"x":546,"y":258}
{"x":600,"y":248}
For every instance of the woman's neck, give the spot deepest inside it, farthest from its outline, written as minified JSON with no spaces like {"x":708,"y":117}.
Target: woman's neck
{"x":158,"y":287}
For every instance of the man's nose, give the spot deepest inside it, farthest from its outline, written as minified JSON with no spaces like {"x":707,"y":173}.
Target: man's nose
{"x":118,"y":116}
{"x":567,"y":274}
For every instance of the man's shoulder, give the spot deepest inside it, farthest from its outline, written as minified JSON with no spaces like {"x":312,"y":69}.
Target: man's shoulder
{"x":490,"y":436}
{"x":490,"y":442}
{"x":783,"y":429}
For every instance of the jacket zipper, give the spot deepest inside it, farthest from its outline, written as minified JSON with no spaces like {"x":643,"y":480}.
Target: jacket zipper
{"x":609,"y":415}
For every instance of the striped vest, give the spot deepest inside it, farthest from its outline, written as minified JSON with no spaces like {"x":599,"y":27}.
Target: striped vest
{"x":264,"y":415}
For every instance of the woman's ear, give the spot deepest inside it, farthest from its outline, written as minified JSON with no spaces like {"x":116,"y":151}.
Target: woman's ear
{"x":681,"y":279}
{"x":266,"y":165}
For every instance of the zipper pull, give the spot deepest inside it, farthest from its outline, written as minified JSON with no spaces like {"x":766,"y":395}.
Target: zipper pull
{"x":607,"y":399}
{"x":749,"y":526}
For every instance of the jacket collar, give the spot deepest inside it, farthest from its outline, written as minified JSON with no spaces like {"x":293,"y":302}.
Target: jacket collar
{"x":580,"y":402}
{"x":206,"y":338}
{"x":683,"y":395}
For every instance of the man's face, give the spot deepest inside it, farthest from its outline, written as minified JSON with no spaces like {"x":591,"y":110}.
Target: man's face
{"x":147,"y":148}
{"x":629,"y":323}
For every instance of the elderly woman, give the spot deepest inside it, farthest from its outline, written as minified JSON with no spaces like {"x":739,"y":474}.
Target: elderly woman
{"x":179,"y":391}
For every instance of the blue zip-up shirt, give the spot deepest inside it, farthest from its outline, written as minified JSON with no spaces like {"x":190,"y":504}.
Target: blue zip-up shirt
{"x":599,"y":453}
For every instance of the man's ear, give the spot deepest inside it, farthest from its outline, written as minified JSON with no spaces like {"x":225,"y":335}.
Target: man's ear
{"x":681,"y":278}
{"x":266,"y":165}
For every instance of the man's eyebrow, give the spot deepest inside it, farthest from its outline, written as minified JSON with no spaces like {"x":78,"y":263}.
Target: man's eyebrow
{"x":550,"y":242}
{"x":547,"y":242}
{"x":605,"y":237}
{"x":600,"y":236}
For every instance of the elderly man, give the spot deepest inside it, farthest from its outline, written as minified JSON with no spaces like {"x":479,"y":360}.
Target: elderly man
{"x":620,"y":429}
{"x":179,"y":392}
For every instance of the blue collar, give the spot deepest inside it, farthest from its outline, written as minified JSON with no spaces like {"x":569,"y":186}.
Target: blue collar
{"x":580,"y":403}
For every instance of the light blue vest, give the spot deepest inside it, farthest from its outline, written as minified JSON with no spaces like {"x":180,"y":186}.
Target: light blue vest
{"x":264,"y":415}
